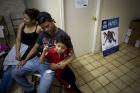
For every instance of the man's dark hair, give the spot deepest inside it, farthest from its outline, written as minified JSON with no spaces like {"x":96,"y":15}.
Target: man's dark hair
{"x":44,"y":16}
{"x":32,"y":13}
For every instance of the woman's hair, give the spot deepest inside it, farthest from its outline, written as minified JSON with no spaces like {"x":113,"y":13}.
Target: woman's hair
{"x":32,"y":13}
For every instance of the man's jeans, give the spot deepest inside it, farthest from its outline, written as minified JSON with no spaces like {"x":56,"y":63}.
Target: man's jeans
{"x":32,"y":66}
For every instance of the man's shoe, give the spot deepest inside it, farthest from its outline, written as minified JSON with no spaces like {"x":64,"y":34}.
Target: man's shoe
{"x":34,"y":91}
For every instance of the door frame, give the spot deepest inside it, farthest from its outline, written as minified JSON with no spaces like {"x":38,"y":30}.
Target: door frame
{"x":97,"y":22}
{"x":62,"y":14}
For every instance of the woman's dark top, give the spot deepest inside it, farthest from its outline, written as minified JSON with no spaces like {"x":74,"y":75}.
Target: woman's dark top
{"x":29,"y":38}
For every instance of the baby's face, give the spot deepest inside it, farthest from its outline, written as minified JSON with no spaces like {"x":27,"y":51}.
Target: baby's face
{"x":60,"y":48}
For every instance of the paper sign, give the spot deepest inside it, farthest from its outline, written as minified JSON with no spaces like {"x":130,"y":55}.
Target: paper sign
{"x":126,"y":39}
{"x":81,"y":3}
{"x":129,"y":32}
{"x":109,"y":36}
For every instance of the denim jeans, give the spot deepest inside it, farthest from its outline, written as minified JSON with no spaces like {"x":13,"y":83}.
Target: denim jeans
{"x":32,"y":66}
{"x":7,"y":80}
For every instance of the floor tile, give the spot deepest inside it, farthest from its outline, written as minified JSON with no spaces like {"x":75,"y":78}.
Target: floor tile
{"x":109,"y":58}
{"x":110,"y":66}
{"x":76,"y":64}
{"x":133,"y":75}
{"x":136,"y":70}
{"x":129,"y":65}
{"x":87,"y":77}
{"x":124,"y":69}
{"x":89,"y":67}
{"x":97,"y":56}
{"x":115,"y":63}
{"x":102,"y":90}
{"x":81,"y":70}
{"x":95,"y":73}
{"x":110,"y":76}
{"x":86,"y":89}
{"x":96,"y":64}
{"x":128,"y":90}
{"x":83,"y":62}
{"x":117,"y":72}
{"x":103,"y":61}
{"x":111,"y":88}
{"x":103,"y":80}
{"x":95,"y":85}
{"x":80,"y":81}
{"x":136,"y":87}
{"x":126,"y":79}
{"x":102,"y":70}
{"x":119,"y":53}
{"x":90,"y":59}
{"x":120,"y":84}
{"x":121,"y":60}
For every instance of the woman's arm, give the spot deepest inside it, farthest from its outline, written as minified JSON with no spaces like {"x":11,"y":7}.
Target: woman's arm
{"x":18,"y":41}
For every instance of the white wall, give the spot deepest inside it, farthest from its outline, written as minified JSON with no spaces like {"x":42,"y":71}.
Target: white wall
{"x":125,"y":9}
{"x":51,"y":6}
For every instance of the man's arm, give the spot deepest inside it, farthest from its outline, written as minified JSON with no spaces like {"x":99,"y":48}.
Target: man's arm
{"x":68,"y":60}
{"x":64,"y":62}
{"x":43,"y":54}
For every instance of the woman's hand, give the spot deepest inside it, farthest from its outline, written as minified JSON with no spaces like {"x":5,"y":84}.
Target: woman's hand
{"x":21,"y":64}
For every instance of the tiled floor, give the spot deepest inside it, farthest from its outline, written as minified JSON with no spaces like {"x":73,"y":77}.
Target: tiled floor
{"x":117,"y":73}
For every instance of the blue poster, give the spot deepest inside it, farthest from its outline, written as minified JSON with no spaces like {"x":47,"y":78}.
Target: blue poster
{"x":109,"y":36}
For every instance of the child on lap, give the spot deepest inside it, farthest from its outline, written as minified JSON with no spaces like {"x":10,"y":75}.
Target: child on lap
{"x":55,"y":56}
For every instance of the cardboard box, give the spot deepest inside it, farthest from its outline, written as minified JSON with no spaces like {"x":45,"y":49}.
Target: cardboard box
{"x":135,"y":33}
{"x":127,"y":36}
{"x":137,"y":44}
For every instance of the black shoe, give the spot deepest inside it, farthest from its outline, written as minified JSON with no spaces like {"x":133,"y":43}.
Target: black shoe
{"x":34,"y":91}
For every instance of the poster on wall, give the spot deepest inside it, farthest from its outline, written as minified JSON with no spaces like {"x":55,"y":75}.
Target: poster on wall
{"x":81,"y":3}
{"x":109,"y":36}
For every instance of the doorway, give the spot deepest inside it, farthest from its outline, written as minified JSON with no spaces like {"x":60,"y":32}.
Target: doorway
{"x":80,"y":25}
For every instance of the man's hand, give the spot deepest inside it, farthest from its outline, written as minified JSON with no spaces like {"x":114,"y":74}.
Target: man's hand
{"x":45,"y":49}
{"x":62,"y":65}
{"x":21,"y":64}
{"x":54,"y":66}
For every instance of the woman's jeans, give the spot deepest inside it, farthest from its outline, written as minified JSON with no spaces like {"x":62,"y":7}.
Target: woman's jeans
{"x":7,"y":81}
{"x":33,"y":66}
